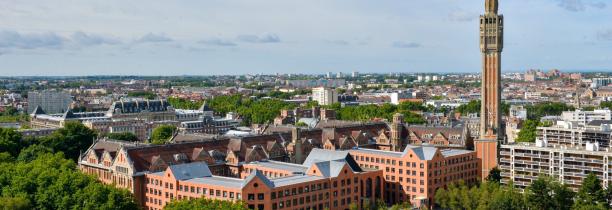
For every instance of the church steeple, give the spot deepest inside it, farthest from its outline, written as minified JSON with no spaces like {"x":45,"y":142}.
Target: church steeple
{"x":491,"y":6}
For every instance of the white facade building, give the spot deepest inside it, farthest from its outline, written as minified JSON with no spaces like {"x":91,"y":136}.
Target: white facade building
{"x":325,"y":96}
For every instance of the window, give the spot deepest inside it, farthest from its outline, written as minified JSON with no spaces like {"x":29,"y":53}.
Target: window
{"x":251,"y":196}
{"x":260,"y":196}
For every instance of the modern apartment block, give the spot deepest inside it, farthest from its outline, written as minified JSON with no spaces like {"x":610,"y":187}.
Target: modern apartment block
{"x":51,"y":101}
{"x":325,"y":96}
{"x":522,"y":163}
{"x":585,"y":117}
{"x":415,"y":174}
{"x":573,"y":134}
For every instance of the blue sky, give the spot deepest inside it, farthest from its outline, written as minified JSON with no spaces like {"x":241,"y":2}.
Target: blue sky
{"x":160,"y":37}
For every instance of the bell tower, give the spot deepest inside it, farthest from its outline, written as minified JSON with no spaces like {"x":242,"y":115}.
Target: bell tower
{"x":491,"y":45}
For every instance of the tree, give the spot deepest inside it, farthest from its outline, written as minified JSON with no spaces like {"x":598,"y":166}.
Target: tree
{"x":471,"y":107}
{"x":124,"y":136}
{"x":494,"y":175}
{"x":10,"y":141}
{"x":204,"y":204}
{"x":591,"y":193}
{"x":52,"y":182}
{"x":507,"y":198}
{"x":545,"y":193}
{"x":162,"y":134}
{"x":72,"y":139}
{"x":32,"y":152}
{"x":528,"y":131}
{"x":14,"y":203}
{"x":180,"y":103}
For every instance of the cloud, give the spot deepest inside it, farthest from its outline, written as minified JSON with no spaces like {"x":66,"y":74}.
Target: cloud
{"x":268,"y":38}
{"x":218,"y":42}
{"x":338,"y":42}
{"x":580,"y":5}
{"x":151,"y":37}
{"x":462,"y":16}
{"x":84,"y":39}
{"x":16,"y":40}
{"x":400,"y":44}
{"x":605,"y":35}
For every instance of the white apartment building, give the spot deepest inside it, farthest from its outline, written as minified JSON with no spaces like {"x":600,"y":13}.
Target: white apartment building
{"x":325,"y":96}
{"x":585,"y":117}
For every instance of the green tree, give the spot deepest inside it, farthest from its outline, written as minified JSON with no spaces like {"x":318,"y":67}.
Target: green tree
{"x":162,"y":134}
{"x":72,"y":139}
{"x":528,"y":132}
{"x":14,"y":203}
{"x":591,"y":193}
{"x":32,"y":152}
{"x":181,"y":103}
{"x":204,"y":204}
{"x":494,"y":175}
{"x":52,"y":182}
{"x":10,"y":141}
{"x":507,"y":198}
{"x":124,"y":136}
{"x":545,"y":193}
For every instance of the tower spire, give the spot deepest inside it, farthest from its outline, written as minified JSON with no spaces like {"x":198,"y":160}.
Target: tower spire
{"x":491,"y":6}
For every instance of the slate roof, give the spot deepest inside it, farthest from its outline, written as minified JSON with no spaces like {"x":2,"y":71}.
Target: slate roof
{"x":330,"y":168}
{"x":259,"y":175}
{"x":190,"y":170}
{"x":320,"y":155}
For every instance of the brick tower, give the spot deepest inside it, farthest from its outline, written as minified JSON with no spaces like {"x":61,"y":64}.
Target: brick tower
{"x":491,"y":44}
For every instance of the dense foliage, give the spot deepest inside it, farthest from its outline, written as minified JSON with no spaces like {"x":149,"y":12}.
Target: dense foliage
{"x":162,"y":134}
{"x":124,"y":136}
{"x":71,"y":140}
{"x":251,"y":110}
{"x":385,"y":111}
{"x":181,"y":103}
{"x":540,"y":110}
{"x":10,"y":114}
{"x":204,"y":204}
{"x":543,"y":193}
{"x":34,"y":174}
{"x":528,"y":132}
{"x":474,"y":107}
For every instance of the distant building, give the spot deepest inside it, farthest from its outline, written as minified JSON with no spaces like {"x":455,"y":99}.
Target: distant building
{"x":330,"y":83}
{"x":51,"y":101}
{"x":585,"y":117}
{"x":325,"y":96}
{"x":355,"y":74}
{"x":600,"y":82}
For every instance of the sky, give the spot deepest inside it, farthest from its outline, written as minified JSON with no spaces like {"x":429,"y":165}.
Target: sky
{"x":222,"y":37}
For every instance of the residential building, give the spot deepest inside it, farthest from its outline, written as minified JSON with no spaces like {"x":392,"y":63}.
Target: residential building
{"x":523,"y":163}
{"x":325,"y":96}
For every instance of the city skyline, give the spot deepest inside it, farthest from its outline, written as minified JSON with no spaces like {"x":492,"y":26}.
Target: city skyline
{"x":238,"y":37}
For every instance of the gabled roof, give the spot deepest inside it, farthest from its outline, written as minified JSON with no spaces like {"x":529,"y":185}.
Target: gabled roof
{"x":38,"y":110}
{"x":190,"y":170}
{"x":330,"y":168}
{"x":320,"y":155}
{"x":259,"y":175}
{"x":423,"y":152}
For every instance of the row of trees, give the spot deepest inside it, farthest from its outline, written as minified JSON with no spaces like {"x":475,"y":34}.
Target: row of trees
{"x":41,"y":173}
{"x":385,"y":111}
{"x":544,"y":193}
{"x":251,"y":110}
{"x":181,"y":103}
